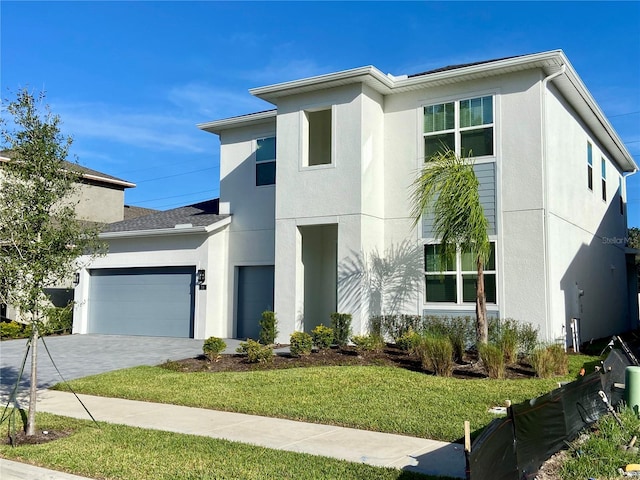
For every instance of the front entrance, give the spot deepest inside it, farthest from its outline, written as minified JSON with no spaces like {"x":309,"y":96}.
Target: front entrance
{"x":320,"y":263}
{"x":255,"y":295}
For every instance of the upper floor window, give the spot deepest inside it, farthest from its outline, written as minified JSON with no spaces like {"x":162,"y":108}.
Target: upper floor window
{"x":621,"y":195}
{"x":266,"y":161}
{"x":603,"y":165}
{"x":318,"y":138}
{"x":464,"y":126}
{"x":457,"y":283}
{"x":589,"y":166}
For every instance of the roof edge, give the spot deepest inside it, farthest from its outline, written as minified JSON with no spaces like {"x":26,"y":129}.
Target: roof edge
{"x":218,"y":126}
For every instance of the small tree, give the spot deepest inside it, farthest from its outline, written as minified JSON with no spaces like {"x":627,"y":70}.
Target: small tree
{"x":40,"y":237}
{"x":447,"y":186}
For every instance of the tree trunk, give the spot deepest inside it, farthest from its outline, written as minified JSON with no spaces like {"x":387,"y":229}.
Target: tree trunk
{"x":482,"y":330}
{"x":33,"y":389}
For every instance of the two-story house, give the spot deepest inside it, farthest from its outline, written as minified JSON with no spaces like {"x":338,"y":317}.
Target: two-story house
{"x":97,"y":198}
{"x":320,"y":184}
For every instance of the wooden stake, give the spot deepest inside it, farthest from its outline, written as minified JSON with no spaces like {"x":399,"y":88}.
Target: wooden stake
{"x":467,"y":436}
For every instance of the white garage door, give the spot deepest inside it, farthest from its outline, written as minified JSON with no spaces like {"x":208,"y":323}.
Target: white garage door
{"x":142,"y":301}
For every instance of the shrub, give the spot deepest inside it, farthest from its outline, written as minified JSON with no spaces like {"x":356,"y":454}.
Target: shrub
{"x":408,"y":340}
{"x":513,"y":337}
{"x":11,"y":329}
{"x":492,"y":357}
{"x":461,"y":332}
{"x":341,"y":325}
{"x":397,"y":325}
{"x":268,"y":328}
{"x":436,"y":354}
{"x":59,"y":320}
{"x":368,"y":343}
{"x":527,"y":338}
{"x":256,"y":352}
{"x":322,"y":337}
{"x":301,"y":344}
{"x":549,"y":360}
{"x":213,"y":347}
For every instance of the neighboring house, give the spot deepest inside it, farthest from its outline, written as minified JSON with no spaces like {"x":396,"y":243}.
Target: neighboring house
{"x":99,"y":198}
{"x":319,"y":186}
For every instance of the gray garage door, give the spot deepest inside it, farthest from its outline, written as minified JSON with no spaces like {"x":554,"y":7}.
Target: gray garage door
{"x":142,"y":301}
{"x":255,"y":295}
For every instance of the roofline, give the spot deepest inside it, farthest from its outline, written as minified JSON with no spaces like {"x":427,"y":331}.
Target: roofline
{"x":218,"y":126}
{"x":177,"y":230}
{"x":95,"y":178}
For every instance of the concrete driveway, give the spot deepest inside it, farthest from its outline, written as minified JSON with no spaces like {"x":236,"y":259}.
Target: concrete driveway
{"x":82,"y":355}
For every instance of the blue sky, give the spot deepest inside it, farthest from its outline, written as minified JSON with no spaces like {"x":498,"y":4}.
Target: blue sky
{"x":131,"y":80}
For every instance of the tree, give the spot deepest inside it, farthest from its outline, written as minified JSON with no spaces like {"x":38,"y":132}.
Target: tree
{"x":448,"y":188}
{"x":40,"y":237}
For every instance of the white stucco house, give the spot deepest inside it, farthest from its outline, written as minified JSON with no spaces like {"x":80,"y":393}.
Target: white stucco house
{"x":313,"y":190}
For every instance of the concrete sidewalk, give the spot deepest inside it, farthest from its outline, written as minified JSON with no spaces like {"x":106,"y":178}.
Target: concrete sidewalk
{"x":373,"y":448}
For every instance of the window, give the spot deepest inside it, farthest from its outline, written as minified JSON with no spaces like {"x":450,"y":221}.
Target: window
{"x":603,"y":165}
{"x":319,"y":137}
{"x":266,"y":161}
{"x":457,"y":283}
{"x":464,"y":126}
{"x":589,"y":166}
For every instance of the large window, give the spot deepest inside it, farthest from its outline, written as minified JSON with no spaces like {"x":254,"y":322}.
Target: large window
{"x":266,"y":161}
{"x":464,"y":126}
{"x":457,"y":283}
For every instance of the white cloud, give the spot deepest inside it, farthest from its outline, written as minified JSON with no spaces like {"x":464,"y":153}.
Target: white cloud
{"x":156,"y":131}
{"x":210,"y":102}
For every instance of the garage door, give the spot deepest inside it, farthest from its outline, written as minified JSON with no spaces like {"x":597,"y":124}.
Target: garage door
{"x":142,"y":301}
{"x":255,"y":295}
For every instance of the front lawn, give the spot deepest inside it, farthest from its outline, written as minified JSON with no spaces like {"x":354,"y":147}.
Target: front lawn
{"x":386,"y":399}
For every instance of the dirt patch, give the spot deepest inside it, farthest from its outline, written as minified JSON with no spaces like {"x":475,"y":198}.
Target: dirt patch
{"x":41,"y":436}
{"x":467,"y":368}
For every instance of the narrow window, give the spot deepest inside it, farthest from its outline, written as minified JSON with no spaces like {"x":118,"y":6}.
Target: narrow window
{"x":439,"y":129}
{"x":620,"y":195}
{"x":319,"y":141}
{"x":604,"y":179}
{"x":476,"y":127}
{"x":589,"y":166}
{"x":266,"y":161}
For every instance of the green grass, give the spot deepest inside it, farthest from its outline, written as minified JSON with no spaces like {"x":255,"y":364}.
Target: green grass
{"x":120,"y":452}
{"x":600,"y":456}
{"x":383,"y":399}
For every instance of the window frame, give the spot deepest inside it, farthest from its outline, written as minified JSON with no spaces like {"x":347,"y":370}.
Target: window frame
{"x":459,"y":274}
{"x":590,"y":166}
{"x":457,"y":130}
{"x":305,"y":139}
{"x":266,"y":161}
{"x":603,"y":167}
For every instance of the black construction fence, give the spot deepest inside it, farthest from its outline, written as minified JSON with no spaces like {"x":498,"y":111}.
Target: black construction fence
{"x":515,"y":447}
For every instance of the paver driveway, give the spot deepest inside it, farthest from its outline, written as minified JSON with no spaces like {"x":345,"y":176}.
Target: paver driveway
{"x":81,"y":355}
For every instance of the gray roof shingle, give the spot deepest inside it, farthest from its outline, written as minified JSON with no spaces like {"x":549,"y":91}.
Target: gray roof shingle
{"x":198,"y":215}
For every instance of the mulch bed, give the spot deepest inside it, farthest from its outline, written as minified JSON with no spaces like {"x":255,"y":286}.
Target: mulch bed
{"x":468,"y":368}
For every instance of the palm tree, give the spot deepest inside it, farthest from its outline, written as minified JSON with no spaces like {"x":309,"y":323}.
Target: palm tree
{"x":447,"y":187}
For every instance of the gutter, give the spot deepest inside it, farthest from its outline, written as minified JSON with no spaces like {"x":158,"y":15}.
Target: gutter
{"x":545,"y":197}
{"x":180,"y":229}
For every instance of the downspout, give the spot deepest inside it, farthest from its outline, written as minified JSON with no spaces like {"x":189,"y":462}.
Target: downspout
{"x":545,"y":198}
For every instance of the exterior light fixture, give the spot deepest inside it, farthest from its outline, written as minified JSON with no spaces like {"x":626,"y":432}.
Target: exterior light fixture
{"x":200,"y":277}
{"x":76,"y":278}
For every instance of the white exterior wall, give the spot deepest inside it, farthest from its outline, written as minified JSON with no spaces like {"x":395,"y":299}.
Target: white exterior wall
{"x":587,"y":259}
{"x":251,"y":235}
{"x":167,"y":251}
